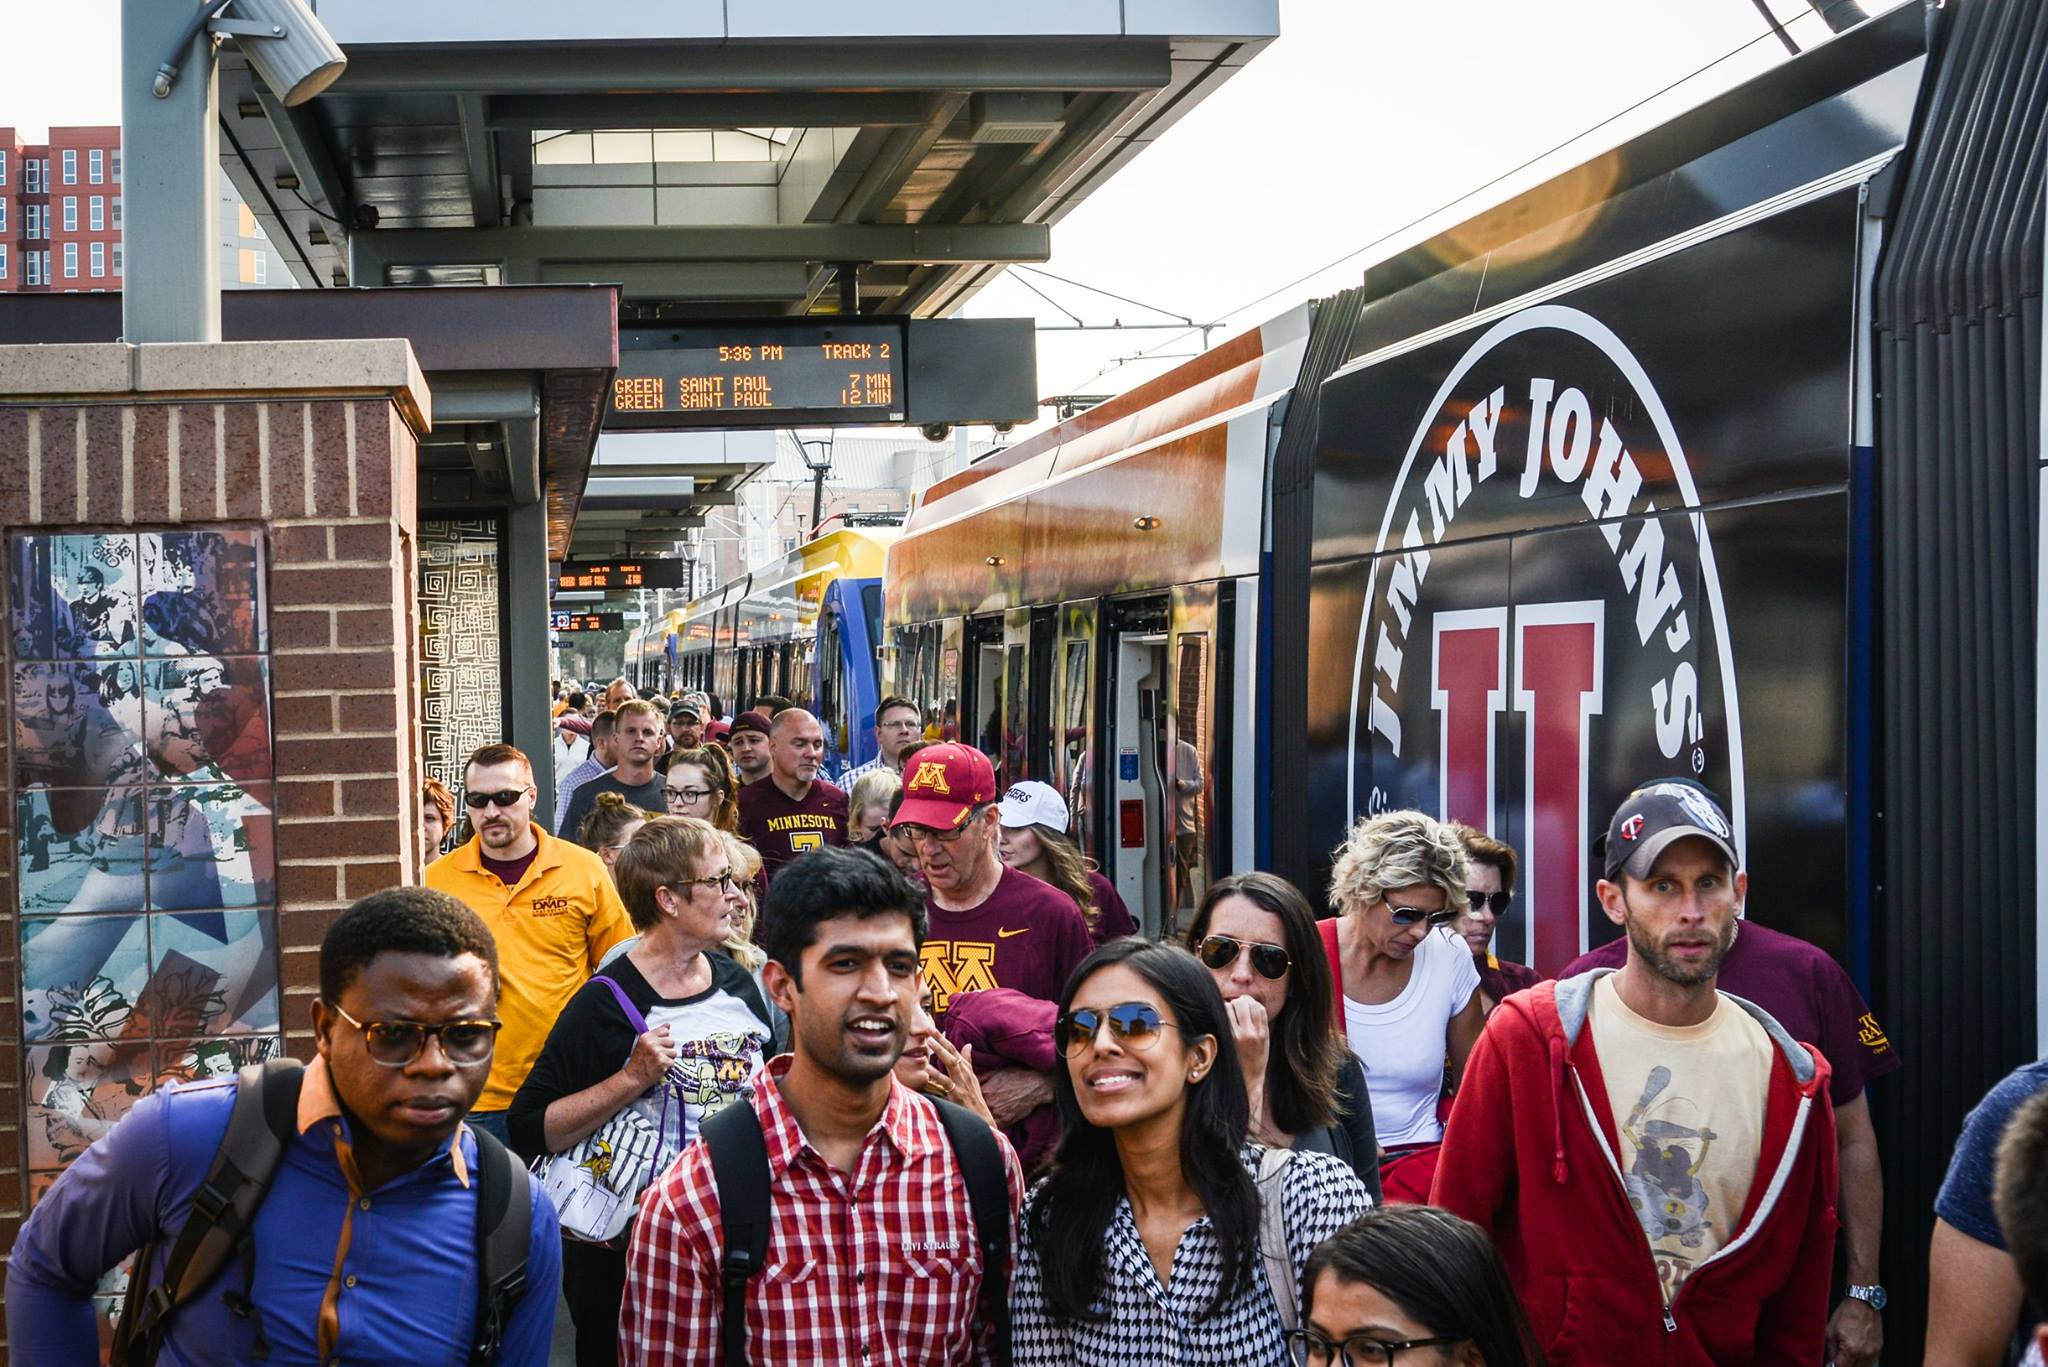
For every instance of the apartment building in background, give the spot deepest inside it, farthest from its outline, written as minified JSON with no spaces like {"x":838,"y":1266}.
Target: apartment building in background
{"x":61,"y":216}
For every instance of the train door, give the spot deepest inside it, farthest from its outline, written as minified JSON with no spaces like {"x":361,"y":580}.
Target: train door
{"x":1041,"y":760}
{"x":1139,"y":831}
{"x":1190,"y":723}
{"x":981,"y":685}
{"x":1013,"y":761}
{"x":1073,"y":768}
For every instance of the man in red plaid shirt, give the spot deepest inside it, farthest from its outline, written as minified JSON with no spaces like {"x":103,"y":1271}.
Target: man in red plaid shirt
{"x":872,"y":1256}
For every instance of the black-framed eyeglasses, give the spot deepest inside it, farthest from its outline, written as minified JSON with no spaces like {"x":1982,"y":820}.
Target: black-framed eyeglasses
{"x":688,"y":794}
{"x":1307,"y":1348}
{"x":1221,"y":951}
{"x":914,"y":833}
{"x":1408,"y":916}
{"x":1497,"y":900}
{"x":1136,"y":1025}
{"x":395,"y":1044}
{"x":724,"y":882}
{"x":507,"y":799}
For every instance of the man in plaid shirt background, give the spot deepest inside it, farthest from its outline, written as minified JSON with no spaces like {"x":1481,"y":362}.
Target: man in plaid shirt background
{"x":872,"y":1255}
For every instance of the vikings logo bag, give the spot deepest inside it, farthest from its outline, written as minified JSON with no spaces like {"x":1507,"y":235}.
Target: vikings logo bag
{"x":595,"y":1184}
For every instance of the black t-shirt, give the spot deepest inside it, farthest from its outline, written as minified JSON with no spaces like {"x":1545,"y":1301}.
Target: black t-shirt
{"x":721,"y":1035}
{"x":648,"y":797}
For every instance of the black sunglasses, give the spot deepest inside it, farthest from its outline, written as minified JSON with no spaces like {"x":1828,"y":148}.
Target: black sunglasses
{"x":1136,"y":1025}
{"x":1221,"y":951}
{"x":1408,"y":916}
{"x":1497,"y":900}
{"x":508,"y":799}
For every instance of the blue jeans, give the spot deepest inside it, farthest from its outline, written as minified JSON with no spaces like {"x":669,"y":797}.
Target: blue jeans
{"x":491,"y":1123}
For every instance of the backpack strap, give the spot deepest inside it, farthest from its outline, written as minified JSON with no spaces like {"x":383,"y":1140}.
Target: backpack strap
{"x":1273,"y":1251}
{"x":504,"y":1236}
{"x":739,"y":1169}
{"x":223,"y":1209}
{"x":988,"y":1192}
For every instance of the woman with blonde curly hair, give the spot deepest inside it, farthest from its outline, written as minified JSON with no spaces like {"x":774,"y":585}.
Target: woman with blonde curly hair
{"x":1407,"y":991}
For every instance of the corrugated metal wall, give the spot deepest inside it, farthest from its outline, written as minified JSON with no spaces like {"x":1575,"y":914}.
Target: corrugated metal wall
{"x":1958,"y":315}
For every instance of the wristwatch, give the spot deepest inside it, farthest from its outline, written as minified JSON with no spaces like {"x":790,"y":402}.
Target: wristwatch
{"x":1872,"y":1296}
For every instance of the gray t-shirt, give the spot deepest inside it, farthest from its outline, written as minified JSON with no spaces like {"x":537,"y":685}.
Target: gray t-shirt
{"x":646,"y":796}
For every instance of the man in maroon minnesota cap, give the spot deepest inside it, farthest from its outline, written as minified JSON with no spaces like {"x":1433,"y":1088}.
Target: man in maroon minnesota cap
{"x":991,"y":926}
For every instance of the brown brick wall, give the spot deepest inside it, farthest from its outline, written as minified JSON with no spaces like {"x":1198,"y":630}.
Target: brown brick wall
{"x":331,"y":482}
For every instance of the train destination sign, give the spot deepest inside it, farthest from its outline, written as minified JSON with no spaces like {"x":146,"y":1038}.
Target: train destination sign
{"x":621,"y":574}
{"x":586,"y":621}
{"x":758,"y":373}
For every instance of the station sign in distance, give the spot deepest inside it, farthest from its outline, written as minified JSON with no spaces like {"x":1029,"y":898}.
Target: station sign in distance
{"x":604,"y":575}
{"x":586,"y":621}
{"x":759,"y":373}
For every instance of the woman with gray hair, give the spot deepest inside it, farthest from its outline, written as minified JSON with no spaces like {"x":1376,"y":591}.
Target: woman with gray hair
{"x":1407,"y":992}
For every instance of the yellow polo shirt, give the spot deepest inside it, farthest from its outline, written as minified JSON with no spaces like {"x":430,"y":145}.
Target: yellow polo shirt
{"x":552,"y":929}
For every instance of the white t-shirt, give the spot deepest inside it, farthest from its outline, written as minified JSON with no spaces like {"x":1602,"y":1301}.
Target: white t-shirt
{"x":1403,"y":1045}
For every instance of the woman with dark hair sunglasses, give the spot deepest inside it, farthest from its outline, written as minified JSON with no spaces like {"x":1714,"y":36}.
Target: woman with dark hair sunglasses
{"x":1161,"y":1234}
{"x":1410,"y":1286}
{"x":1257,"y":937}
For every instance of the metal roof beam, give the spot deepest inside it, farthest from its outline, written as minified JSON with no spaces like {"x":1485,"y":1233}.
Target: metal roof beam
{"x":901,"y":244}
{"x":1091,"y":63}
{"x":899,"y":159}
{"x":531,"y":113}
{"x":479,"y":149}
{"x":596,"y":498}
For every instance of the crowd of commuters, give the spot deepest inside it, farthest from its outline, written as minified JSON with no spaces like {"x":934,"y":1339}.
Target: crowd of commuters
{"x":887,"y":1072}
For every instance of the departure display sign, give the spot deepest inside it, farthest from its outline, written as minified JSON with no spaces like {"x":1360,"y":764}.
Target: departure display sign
{"x":758,"y":374}
{"x":601,"y":575}
{"x":586,"y":621}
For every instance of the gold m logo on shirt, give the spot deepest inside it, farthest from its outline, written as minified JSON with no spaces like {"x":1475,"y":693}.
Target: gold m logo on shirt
{"x":952,"y":966}
{"x":931,"y":775}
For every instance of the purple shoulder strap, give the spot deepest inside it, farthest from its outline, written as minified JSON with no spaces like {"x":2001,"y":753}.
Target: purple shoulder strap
{"x":633,"y":1016}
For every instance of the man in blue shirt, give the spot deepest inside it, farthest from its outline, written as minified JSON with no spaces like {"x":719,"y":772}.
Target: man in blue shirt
{"x":366,"y":1241}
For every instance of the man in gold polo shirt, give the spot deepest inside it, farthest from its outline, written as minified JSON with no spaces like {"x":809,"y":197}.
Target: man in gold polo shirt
{"x":550,"y":905}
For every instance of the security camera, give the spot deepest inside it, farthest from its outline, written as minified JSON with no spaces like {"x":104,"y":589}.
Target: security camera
{"x":286,"y":45}
{"x":365,"y":216}
{"x":937,"y":431}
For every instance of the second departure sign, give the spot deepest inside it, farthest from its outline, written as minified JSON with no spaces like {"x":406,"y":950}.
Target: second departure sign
{"x":764,"y":373}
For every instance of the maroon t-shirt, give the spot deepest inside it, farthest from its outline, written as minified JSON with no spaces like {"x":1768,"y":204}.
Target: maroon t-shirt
{"x":1805,"y":989}
{"x":781,"y":828}
{"x":1026,"y":935}
{"x":1115,"y":920}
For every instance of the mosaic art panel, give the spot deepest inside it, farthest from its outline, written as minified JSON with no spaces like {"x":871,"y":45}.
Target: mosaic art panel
{"x":202,"y":593}
{"x":77,"y":1090}
{"x":460,"y":684}
{"x":207,"y":717}
{"x":66,"y":735}
{"x":210,"y":846}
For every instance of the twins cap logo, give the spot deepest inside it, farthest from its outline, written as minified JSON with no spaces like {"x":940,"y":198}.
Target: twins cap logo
{"x":1696,"y":806}
{"x":931,"y":774}
{"x":1632,"y":827}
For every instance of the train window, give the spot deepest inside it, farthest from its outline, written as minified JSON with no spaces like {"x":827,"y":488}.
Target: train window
{"x":1015,"y":764}
{"x":1188,"y":764}
{"x":871,"y":614}
{"x":832,"y":694}
{"x":1073,"y":742}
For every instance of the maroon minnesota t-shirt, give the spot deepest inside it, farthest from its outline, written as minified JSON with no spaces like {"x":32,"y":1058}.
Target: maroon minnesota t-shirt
{"x":1114,"y":920}
{"x":1026,"y":936}
{"x":782,"y":828}
{"x":1808,"y":993}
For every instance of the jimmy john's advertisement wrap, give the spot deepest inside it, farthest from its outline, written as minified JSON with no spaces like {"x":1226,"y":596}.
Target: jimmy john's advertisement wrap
{"x":1598,"y":548}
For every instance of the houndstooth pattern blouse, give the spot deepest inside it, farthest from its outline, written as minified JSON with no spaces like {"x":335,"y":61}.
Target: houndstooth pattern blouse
{"x":1147,"y":1324}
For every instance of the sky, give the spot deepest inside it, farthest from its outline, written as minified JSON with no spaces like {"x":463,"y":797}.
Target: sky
{"x":1317,"y":159}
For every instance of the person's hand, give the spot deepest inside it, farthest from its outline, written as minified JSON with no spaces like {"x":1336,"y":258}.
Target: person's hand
{"x":957,"y":1079}
{"x":1013,"y":1093}
{"x":1252,"y":1033}
{"x":1855,"y":1334}
{"x":653,"y":1052}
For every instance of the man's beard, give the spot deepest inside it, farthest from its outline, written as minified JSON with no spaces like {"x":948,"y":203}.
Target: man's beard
{"x":1669,"y":968}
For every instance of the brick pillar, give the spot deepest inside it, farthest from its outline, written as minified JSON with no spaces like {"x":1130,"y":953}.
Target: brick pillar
{"x":306,"y":453}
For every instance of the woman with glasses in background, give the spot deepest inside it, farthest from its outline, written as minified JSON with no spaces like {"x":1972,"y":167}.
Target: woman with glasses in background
{"x":1489,"y":888}
{"x":1410,"y":1286}
{"x":1161,"y":1234}
{"x":1406,"y":988}
{"x":1257,"y":937}
{"x":699,"y":783}
{"x":670,"y":1030}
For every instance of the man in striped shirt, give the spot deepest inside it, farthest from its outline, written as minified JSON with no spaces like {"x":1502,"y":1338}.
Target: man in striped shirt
{"x":871,"y":1252}
{"x":897,"y":733}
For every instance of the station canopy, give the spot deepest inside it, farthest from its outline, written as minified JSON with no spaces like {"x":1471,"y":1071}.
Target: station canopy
{"x":715,"y":161}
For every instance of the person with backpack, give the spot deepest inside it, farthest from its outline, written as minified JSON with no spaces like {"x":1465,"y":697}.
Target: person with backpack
{"x":1162,"y":1233}
{"x":337,"y":1212}
{"x":835,"y":1212}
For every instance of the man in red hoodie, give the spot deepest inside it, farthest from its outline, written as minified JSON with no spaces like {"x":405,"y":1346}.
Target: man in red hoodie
{"x":1655,"y":1159}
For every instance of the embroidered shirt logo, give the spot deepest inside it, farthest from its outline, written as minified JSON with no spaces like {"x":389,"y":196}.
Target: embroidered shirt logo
{"x":550,"y":905}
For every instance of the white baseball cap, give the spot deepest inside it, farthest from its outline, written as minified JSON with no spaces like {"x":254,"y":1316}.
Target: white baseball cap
{"x":1033,"y":804}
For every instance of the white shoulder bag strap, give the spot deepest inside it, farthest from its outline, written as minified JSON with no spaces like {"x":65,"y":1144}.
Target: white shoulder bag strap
{"x":1273,"y":1254}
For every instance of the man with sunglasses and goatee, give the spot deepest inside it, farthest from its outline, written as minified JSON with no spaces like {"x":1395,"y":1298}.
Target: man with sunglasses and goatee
{"x":549,"y":904}
{"x":363,"y":1235}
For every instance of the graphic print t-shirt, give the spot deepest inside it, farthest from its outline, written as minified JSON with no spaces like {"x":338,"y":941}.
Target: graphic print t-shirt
{"x":1688,"y":1104}
{"x":782,"y":828}
{"x":1026,"y":936}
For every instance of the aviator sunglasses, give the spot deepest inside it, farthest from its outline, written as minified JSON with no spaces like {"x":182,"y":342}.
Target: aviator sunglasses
{"x":1408,"y":916}
{"x":1136,"y":1025}
{"x":1497,"y":900}
{"x":1220,"y":952}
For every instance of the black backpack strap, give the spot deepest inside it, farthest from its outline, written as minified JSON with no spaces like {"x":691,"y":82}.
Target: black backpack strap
{"x":988,"y":1192}
{"x":259,"y":1127}
{"x":739,"y":1168}
{"x":504,"y":1236}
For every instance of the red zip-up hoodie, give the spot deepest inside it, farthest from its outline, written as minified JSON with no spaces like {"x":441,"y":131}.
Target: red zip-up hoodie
{"x":1530,"y":1155}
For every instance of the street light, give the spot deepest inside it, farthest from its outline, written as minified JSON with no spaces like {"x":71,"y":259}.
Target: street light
{"x":820,"y":464}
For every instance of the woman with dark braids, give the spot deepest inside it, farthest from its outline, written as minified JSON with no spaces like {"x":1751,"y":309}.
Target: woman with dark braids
{"x":1161,"y":1234}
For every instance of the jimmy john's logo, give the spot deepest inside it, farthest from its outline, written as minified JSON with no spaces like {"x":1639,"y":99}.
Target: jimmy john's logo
{"x":931,"y":778}
{"x":1543,"y":618}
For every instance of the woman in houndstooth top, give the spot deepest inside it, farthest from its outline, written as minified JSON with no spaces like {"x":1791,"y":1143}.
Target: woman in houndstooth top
{"x":1143,"y":1244}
